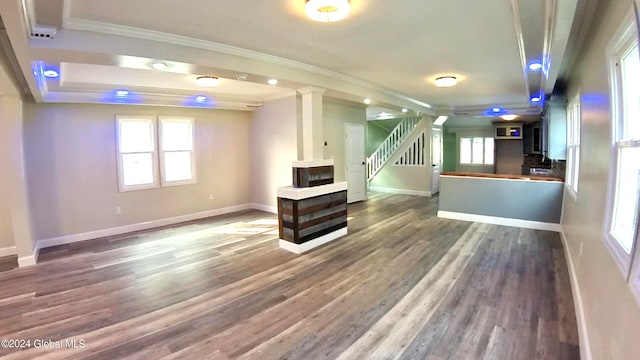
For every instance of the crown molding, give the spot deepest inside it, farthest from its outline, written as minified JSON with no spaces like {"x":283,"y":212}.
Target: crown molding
{"x":71,"y":23}
{"x":515,"y":12}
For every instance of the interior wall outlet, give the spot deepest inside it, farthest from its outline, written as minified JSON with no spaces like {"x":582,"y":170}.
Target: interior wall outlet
{"x":118,"y":210}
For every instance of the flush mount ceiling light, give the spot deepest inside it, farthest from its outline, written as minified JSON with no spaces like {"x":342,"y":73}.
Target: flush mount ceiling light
{"x":405,"y":111}
{"x":446,"y":81}
{"x":509,"y":117}
{"x":272,"y":82}
{"x":535,"y":66}
{"x":50,"y":73}
{"x":367,"y":101}
{"x":159,"y":65}
{"x":327,"y":10}
{"x":207,"y":81}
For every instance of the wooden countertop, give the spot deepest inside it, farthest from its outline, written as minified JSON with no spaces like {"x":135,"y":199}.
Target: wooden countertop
{"x":503,"y":176}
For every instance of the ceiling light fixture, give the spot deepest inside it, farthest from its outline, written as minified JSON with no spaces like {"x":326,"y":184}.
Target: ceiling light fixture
{"x":496,"y":109}
{"x":207,"y":81}
{"x":122,"y":93}
{"x":272,"y":82}
{"x":446,"y":81}
{"x":367,"y":101}
{"x":50,"y":73}
{"x":201,"y":98}
{"x":327,"y":10}
{"x":535,"y":99}
{"x":159,"y":65}
{"x":440,"y":120}
{"x":536,"y":65}
{"x":509,"y":117}
{"x":405,"y":111}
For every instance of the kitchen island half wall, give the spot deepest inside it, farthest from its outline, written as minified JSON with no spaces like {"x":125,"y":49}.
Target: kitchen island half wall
{"x":523,"y":201}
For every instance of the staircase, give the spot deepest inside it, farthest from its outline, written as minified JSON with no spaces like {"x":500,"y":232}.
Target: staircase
{"x":398,"y":135}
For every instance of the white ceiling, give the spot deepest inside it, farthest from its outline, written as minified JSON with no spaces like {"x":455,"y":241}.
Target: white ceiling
{"x":388,"y":51}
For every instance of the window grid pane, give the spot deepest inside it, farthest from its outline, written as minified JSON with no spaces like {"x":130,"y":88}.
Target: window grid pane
{"x":488,"y":151}
{"x":177,"y":166}
{"x":465,"y":150}
{"x":137,"y":169}
{"x":136,"y":136}
{"x":478,"y":150}
{"x":625,"y":210}
{"x":630,"y":68}
{"x":176,"y":135}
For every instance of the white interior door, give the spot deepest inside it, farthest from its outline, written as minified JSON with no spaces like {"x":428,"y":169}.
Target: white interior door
{"x":355,"y":163}
{"x":436,"y":159}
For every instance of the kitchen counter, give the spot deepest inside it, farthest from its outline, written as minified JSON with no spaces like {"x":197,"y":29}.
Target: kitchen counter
{"x":512,"y":200}
{"x":503,"y":176}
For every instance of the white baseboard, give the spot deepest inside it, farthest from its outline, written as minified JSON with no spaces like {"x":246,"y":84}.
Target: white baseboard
{"x":29,"y":260}
{"x":500,"y":221}
{"x":306,"y":246}
{"x":400,"y":191}
{"x":266,"y":208}
{"x":68,"y":239}
{"x":583,"y":333}
{"x":8,"y":251}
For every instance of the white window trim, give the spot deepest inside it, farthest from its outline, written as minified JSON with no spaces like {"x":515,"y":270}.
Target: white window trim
{"x":623,"y":38}
{"x":191,"y":122}
{"x":154,"y":158}
{"x":573,"y":147}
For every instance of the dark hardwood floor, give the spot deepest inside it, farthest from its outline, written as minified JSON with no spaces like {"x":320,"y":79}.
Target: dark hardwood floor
{"x":402,"y":285}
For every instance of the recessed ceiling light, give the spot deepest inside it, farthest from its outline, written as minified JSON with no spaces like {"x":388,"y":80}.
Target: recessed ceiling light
{"x":446,"y":81}
{"x":327,"y":10}
{"x":440,"y":120}
{"x":384,"y":114}
{"x":404,"y":110}
{"x":207,"y":81}
{"x":535,"y":99}
{"x":496,"y":109}
{"x":272,"y":82}
{"x":50,"y":73}
{"x":536,"y":65}
{"x":367,"y":101}
{"x":122,"y":93}
{"x":159,"y":65}
{"x":509,"y":117}
{"x":201,"y":98}
{"x":242,"y":77}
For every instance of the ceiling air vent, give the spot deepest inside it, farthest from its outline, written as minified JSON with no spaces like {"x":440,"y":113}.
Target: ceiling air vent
{"x":42,"y":32}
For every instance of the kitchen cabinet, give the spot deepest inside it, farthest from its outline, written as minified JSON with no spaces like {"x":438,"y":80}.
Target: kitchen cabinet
{"x":554,"y":129}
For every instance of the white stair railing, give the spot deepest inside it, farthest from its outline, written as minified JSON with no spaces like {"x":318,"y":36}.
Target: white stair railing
{"x":379,"y":158}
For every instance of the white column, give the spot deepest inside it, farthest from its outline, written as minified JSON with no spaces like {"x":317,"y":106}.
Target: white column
{"x":14,"y":182}
{"x":312,"y":139}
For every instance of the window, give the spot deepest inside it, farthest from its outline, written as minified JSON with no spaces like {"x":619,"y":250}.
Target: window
{"x":476,"y":151}
{"x":138,"y":152}
{"x":624,"y":183}
{"x":137,"y":157}
{"x":573,"y":146}
{"x":176,"y":155}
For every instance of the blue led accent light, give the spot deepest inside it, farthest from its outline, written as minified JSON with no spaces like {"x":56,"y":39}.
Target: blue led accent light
{"x":121,"y":96}
{"x":201,"y":101}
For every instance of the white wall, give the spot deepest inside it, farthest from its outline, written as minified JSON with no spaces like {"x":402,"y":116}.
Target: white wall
{"x":72,"y":174}
{"x":274,"y":146}
{"x":612,"y":317}
{"x":335,"y":115}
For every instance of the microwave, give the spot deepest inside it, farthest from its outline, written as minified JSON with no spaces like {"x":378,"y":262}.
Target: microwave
{"x":508,"y":131}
